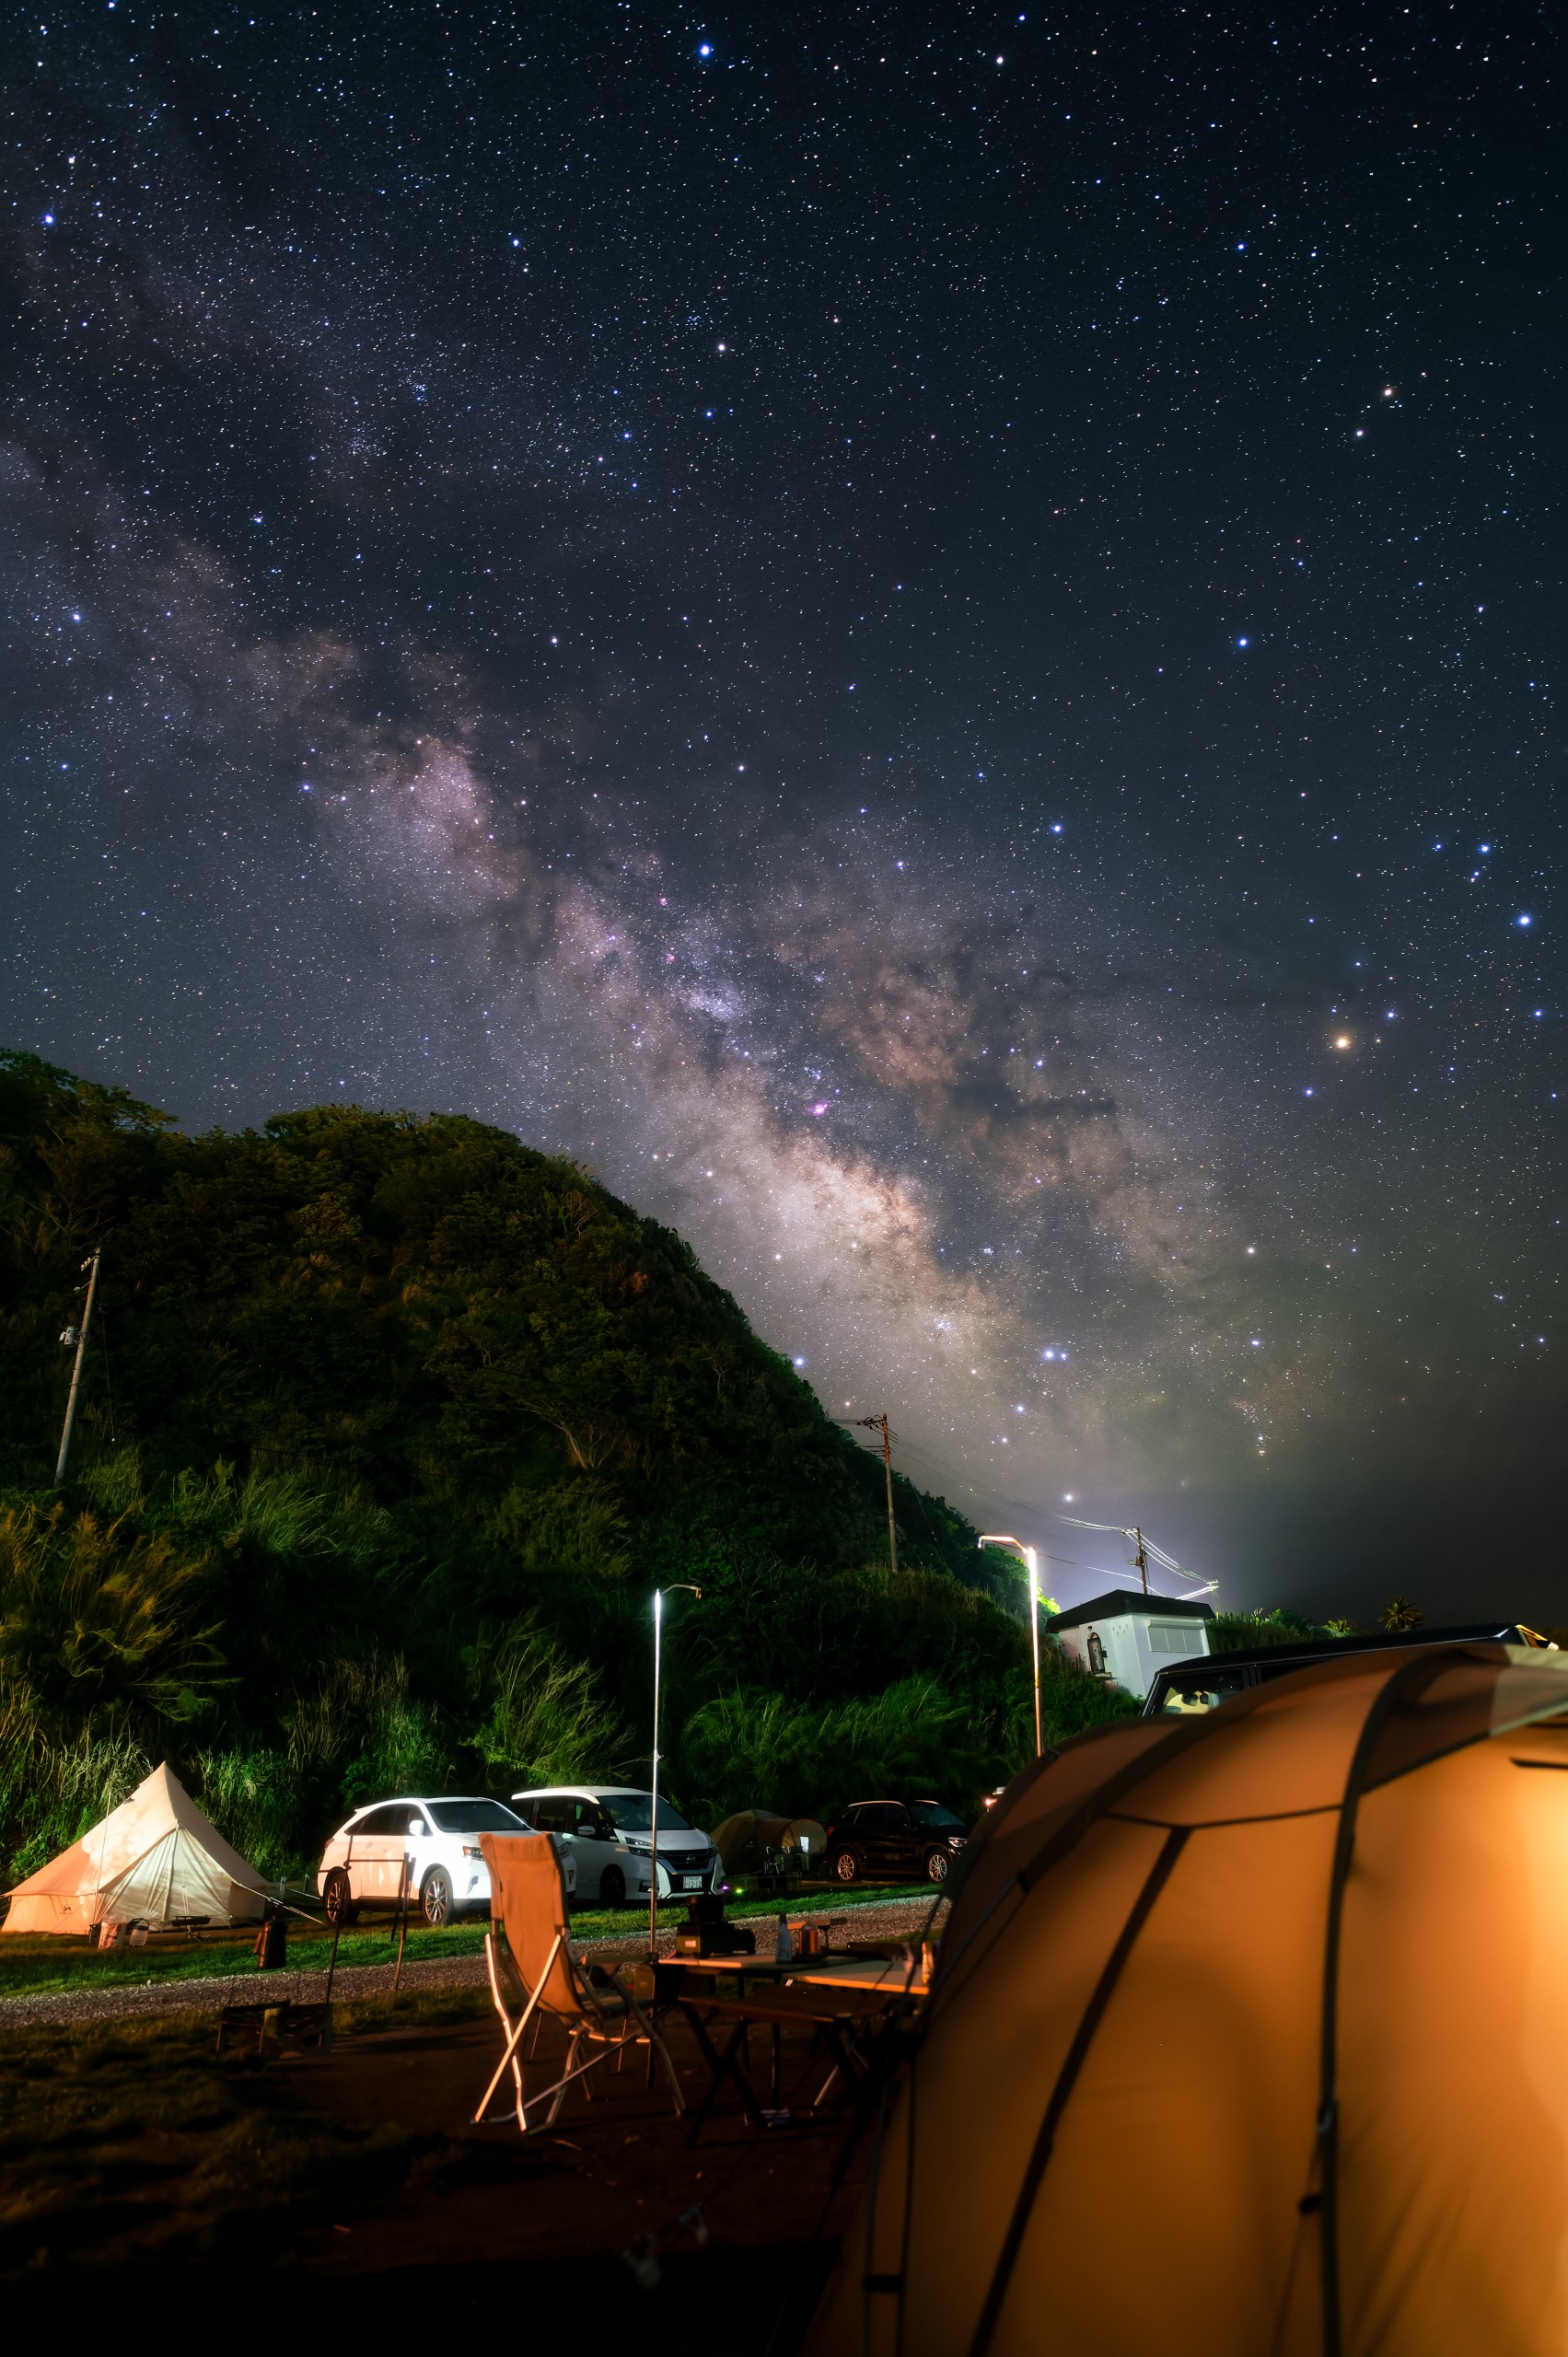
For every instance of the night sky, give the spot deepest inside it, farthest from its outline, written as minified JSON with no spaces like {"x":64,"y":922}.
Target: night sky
{"x":933,"y":636}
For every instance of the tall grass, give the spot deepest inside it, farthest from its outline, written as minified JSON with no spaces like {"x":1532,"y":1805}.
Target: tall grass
{"x":98,"y":1619}
{"x":284,"y":1514}
{"x":545,"y":1720}
{"x":51,"y":1792}
{"x":751,"y":1750}
{"x":922,"y":1736}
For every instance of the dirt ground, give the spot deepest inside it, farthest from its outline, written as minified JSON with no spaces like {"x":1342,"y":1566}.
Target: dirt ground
{"x":351,"y":2186}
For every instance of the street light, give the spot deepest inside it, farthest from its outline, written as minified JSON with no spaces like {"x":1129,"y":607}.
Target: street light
{"x":1031,"y":1560}
{"x":659,"y":1595}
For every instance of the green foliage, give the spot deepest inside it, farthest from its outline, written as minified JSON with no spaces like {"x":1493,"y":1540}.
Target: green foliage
{"x":919,"y":1738}
{"x":53,"y":1792}
{"x":95,"y":1619}
{"x":1233,"y":1632}
{"x":751,"y":1748}
{"x":408,"y":1419}
{"x":544,"y":1722}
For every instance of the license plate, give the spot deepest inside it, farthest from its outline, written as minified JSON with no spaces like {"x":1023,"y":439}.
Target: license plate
{"x":690,"y":1882}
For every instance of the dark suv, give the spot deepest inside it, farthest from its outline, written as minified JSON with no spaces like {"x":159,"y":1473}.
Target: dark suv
{"x":1182,"y":1688}
{"x":894,"y":1841}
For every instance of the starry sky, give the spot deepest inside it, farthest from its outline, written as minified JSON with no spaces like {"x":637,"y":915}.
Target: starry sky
{"x":933,"y":635}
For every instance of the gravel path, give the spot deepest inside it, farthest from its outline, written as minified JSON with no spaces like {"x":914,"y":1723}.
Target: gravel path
{"x":898,"y":1919}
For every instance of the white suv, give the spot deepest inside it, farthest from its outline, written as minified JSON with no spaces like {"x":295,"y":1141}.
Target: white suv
{"x":602,"y":1829}
{"x":436,"y":1842}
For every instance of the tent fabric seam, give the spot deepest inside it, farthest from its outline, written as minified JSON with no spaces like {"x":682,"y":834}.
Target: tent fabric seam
{"x":1406,"y":1680}
{"x":1218,"y":1824}
{"x":1089,"y":1811}
{"x":1067,"y":2078}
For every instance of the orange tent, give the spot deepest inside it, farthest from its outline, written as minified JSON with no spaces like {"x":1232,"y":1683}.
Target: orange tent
{"x":743,"y":1842}
{"x":1248,"y":2038}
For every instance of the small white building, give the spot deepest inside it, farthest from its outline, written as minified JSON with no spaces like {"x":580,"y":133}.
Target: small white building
{"x":1124,"y":1637}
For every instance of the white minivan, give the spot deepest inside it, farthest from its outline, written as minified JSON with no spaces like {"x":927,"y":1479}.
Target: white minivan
{"x":603,"y":1830}
{"x":434,"y":1842}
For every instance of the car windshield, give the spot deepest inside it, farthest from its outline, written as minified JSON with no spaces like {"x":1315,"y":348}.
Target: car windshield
{"x":933,"y":1813}
{"x":473,"y":1817}
{"x":1205,"y":1693}
{"x":632,"y":1813}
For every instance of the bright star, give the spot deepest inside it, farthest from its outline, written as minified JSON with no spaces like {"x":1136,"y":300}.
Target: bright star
{"x":1522,"y":920}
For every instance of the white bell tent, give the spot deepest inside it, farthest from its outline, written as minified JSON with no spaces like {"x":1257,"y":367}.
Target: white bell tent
{"x":153,"y":1860}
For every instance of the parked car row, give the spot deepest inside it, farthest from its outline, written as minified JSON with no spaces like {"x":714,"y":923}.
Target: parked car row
{"x":427,"y":1850}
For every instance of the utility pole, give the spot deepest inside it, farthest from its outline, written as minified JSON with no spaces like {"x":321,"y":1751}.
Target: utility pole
{"x":1141,"y":1560}
{"x":892,"y":1526}
{"x":80,"y":1339}
{"x":879,"y":1424}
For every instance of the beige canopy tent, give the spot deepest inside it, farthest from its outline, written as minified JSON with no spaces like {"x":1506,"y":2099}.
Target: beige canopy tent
{"x":1247,"y":2035}
{"x":743,"y":1840}
{"x":153,"y":1860}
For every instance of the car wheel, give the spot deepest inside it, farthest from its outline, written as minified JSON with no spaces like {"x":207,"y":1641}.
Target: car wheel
{"x":613,"y":1888}
{"x":337,"y":1897}
{"x":936,"y":1865}
{"x":846,"y":1866}
{"x":436,"y":1897}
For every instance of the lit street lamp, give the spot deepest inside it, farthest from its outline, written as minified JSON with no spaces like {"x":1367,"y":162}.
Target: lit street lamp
{"x":1031,"y":1561}
{"x":659,"y":1595}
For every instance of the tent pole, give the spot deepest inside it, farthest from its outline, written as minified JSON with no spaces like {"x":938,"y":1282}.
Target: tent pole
{"x":402,"y":1922}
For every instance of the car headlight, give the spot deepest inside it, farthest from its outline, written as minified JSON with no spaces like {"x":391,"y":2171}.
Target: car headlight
{"x":472,"y":1850}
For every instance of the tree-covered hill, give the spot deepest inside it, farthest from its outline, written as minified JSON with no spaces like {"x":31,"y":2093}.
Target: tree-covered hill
{"x":388,"y":1426}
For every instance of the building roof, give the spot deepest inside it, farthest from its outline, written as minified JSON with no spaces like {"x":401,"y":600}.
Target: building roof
{"x":1123,"y":1603}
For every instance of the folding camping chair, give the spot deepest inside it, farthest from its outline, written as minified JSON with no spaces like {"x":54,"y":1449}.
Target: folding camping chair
{"x":528,"y":1951}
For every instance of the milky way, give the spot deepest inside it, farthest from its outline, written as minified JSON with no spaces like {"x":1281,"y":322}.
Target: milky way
{"x":930,"y":637}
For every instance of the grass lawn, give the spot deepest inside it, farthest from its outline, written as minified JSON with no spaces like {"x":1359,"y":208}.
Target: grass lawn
{"x":30,"y":1966}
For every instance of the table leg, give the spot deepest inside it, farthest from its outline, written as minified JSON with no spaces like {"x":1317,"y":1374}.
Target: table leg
{"x":723,"y":2066}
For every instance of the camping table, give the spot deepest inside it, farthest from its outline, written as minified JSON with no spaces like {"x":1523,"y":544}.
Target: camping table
{"x":834,"y":2003}
{"x":873,"y":1973}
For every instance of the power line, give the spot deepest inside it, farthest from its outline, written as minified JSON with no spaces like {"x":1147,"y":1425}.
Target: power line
{"x":1145,"y":1550}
